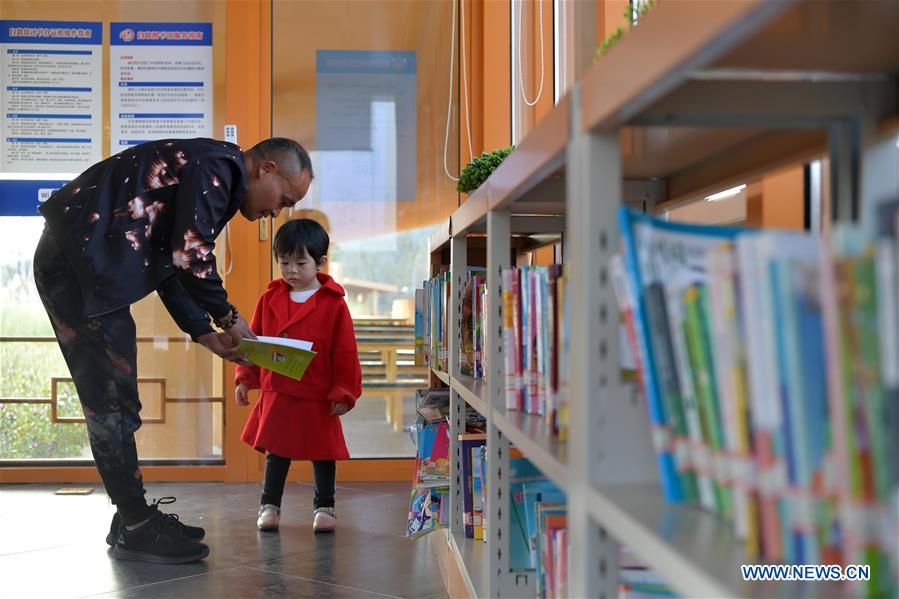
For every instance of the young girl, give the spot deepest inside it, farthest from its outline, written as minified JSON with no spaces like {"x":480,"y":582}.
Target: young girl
{"x":300,"y":420}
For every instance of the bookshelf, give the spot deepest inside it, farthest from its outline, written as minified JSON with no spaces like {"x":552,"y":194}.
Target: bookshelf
{"x":528,"y":433}
{"x":688,"y":546}
{"x":471,"y":556}
{"x":698,"y":97}
{"x":441,"y":376}
{"x":473,"y":391}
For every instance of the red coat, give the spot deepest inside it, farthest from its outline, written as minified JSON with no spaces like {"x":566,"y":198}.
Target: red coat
{"x":292,"y":418}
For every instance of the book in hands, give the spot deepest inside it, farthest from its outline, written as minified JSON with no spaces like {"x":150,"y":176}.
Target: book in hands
{"x":289,"y":357}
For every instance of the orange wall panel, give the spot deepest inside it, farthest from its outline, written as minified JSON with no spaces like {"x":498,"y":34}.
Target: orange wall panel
{"x":783,"y":199}
{"x":613,"y":17}
{"x":496,"y":108}
{"x":777,"y":201}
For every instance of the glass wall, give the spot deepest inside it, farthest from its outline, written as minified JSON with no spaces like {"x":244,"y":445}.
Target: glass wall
{"x":366,"y":87}
{"x":180,"y":383}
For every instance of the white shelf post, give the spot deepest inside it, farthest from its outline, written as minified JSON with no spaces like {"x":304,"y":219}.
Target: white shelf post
{"x":501,"y":582}
{"x":458,"y":265}
{"x":609,"y":434}
{"x":588,"y":242}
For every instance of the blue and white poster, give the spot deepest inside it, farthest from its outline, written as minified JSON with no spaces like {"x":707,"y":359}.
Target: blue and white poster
{"x":160,"y":82}
{"x":52,"y":95}
{"x":21,"y":196}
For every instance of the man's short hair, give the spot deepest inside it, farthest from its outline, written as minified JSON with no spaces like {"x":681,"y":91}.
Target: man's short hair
{"x":284,"y":152}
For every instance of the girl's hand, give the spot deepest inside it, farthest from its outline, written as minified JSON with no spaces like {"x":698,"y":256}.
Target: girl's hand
{"x":240,"y":395}
{"x":339,"y":408}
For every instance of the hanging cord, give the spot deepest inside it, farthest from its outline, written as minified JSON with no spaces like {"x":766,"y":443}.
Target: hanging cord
{"x":520,"y":71}
{"x":449,"y":102}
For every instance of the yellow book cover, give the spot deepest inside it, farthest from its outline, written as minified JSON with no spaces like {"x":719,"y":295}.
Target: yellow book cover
{"x":289,"y":357}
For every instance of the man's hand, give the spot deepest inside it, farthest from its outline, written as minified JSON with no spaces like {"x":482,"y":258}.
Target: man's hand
{"x":241,"y":395}
{"x":218,"y":343}
{"x":339,"y":408}
{"x":222,"y":345}
{"x":240,"y":331}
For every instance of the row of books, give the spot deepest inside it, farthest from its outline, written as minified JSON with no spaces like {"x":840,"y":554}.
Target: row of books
{"x":534,"y":337}
{"x":538,"y":539}
{"x":636,"y":580}
{"x":473,"y":447}
{"x":432,"y":304}
{"x":428,"y":511}
{"x":770,"y":361}
{"x":432,"y":456}
{"x":538,"y":533}
{"x":474,"y":314}
{"x":429,"y":503}
{"x":538,"y":519}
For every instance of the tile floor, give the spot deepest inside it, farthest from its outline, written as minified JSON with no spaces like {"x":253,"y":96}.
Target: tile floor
{"x":53,"y":546}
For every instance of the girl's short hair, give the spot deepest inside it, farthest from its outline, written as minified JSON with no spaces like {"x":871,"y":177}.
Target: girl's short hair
{"x":300,"y":234}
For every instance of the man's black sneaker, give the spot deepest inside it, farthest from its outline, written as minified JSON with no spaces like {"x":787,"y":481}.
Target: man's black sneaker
{"x":195,"y":533}
{"x":158,"y":541}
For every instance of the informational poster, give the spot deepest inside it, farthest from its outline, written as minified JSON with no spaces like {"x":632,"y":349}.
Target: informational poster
{"x":160,"y":82}
{"x":52,"y":96}
{"x":365,"y":146}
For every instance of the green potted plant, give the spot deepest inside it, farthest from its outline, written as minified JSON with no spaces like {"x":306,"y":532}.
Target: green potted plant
{"x":479,"y":169}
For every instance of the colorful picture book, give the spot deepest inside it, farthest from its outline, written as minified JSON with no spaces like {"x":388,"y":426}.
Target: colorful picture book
{"x":434,"y":325}
{"x":432,"y":317}
{"x":428,"y":511}
{"x":432,"y":404}
{"x":532,"y":337}
{"x":432,"y":459}
{"x":472,"y":502}
{"x":289,"y":357}
{"x":421,"y":355}
{"x":471,"y":349}
{"x":429,"y":500}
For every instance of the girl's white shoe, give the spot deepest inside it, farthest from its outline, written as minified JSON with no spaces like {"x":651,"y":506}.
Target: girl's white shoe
{"x":269,"y":517}
{"x":324,"y":520}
